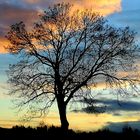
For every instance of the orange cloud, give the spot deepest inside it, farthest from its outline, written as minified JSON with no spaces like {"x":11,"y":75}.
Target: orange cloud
{"x":3,"y":43}
{"x":26,"y":15}
{"x":104,"y":7}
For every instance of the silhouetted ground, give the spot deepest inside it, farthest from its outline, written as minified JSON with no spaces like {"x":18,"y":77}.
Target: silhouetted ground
{"x":50,"y":133}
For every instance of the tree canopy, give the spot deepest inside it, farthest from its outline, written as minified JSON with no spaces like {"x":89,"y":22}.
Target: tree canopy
{"x":64,"y":55}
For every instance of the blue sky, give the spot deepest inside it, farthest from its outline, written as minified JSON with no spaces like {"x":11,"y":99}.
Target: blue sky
{"x":128,"y":16}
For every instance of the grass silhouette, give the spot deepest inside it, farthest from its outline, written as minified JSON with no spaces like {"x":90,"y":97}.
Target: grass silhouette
{"x":49,"y":133}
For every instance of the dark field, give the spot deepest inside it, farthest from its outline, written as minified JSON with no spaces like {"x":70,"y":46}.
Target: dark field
{"x":49,"y":133}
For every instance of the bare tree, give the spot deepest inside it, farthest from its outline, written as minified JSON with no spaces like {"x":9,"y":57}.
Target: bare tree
{"x":64,"y":55}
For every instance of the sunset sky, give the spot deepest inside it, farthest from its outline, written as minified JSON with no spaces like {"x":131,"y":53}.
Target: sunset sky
{"x":119,"y":13}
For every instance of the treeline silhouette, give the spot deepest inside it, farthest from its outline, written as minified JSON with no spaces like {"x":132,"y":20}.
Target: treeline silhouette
{"x":49,"y":133}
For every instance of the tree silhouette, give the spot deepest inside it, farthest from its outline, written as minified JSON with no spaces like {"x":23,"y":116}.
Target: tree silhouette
{"x":64,"y":55}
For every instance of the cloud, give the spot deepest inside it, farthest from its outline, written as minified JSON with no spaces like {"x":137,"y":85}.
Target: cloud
{"x":32,"y":1}
{"x":11,"y":14}
{"x":104,"y":7}
{"x":13,"y":11}
{"x":112,"y":106}
{"x":3,"y":44}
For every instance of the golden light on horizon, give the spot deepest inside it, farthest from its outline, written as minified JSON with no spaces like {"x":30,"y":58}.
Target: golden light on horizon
{"x":90,"y":122}
{"x":86,"y":122}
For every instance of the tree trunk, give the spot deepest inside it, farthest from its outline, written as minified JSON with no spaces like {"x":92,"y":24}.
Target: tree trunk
{"x":62,"y":113}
